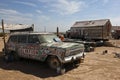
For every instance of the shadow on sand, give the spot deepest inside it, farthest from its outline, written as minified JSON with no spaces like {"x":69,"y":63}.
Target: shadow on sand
{"x":33,"y":67}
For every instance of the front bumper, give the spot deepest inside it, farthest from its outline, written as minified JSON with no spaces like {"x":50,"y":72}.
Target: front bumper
{"x":73,"y":58}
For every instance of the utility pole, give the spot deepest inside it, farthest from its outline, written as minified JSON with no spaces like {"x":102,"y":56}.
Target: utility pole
{"x":3,"y":35}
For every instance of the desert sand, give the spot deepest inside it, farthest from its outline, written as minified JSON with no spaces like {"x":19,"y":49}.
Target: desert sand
{"x":95,"y":67}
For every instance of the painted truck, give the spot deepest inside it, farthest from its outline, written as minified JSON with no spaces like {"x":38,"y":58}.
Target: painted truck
{"x":45,"y":47}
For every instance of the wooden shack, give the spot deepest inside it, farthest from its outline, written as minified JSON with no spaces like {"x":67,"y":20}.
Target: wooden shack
{"x":91,"y":30}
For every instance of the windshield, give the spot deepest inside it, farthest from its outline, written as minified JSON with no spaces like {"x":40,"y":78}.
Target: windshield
{"x":49,"y":38}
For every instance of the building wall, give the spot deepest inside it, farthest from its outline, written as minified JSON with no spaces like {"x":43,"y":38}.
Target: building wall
{"x":97,"y":32}
{"x":91,"y":32}
{"x":115,"y":32}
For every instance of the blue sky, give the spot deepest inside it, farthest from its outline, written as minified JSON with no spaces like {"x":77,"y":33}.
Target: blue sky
{"x":58,"y":13}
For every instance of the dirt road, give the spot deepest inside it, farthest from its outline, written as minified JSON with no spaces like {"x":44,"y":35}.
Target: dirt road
{"x":95,"y":67}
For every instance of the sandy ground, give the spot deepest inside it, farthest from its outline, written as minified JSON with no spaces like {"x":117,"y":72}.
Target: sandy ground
{"x":95,"y":67}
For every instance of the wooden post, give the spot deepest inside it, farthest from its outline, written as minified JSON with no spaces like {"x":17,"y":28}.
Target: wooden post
{"x":33,"y":27}
{"x":3,"y":35}
{"x":57,"y":31}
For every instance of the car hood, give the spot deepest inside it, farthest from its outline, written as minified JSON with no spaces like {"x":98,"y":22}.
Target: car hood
{"x":63,"y":45}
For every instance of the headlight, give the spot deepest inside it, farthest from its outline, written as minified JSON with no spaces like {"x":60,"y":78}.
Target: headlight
{"x":67,"y":53}
{"x":61,"y":53}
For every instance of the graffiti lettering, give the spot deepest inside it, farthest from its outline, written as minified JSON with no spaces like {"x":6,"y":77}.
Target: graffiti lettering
{"x":29,"y":51}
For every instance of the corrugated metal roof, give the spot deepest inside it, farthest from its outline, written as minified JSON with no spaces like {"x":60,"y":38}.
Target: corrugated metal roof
{"x":15,"y":26}
{"x":90,"y":23}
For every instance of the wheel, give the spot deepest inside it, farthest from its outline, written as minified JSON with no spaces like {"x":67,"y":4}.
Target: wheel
{"x":53,"y":62}
{"x":8,"y":58}
{"x":82,"y":58}
{"x":76,"y":63}
{"x":61,"y":70}
{"x":15,"y":56}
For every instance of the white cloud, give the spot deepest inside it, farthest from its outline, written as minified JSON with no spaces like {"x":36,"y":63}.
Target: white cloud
{"x":93,"y":1}
{"x":105,"y":1}
{"x":39,"y":11}
{"x":19,"y":19}
{"x":65,"y":7}
{"x":26,"y":3}
{"x":16,"y":19}
{"x":8,"y":11}
{"x":47,"y":1}
{"x":43,"y":18}
{"x":97,"y":1}
{"x":15,"y":16}
{"x":3,"y":4}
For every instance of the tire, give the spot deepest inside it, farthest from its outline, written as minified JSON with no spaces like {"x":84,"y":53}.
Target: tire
{"x":53,"y":62}
{"x":82,"y":58}
{"x":77,"y":63}
{"x":16,"y":56}
{"x":8,"y":58}
{"x":61,"y":70}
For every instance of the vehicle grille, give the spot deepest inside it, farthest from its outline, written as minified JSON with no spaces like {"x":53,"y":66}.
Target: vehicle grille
{"x":74,"y":52}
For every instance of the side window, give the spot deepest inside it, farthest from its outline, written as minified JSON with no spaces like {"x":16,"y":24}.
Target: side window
{"x":33,"y":39}
{"x":22,"y":38}
{"x":41,"y":39}
{"x":12,"y":39}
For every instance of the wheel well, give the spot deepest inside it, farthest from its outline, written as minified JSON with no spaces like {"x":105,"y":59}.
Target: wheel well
{"x":12,"y":52}
{"x":50,"y":56}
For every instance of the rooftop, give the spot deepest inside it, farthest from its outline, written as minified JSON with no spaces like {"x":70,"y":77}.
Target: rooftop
{"x":90,"y":23}
{"x":15,"y":26}
{"x":25,"y":33}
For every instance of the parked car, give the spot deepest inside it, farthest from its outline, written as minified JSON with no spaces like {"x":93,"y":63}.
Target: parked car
{"x":45,"y":47}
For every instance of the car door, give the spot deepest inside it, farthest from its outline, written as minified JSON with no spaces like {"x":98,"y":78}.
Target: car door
{"x":11,"y":43}
{"x":33,"y":46}
{"x":21,"y":46}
